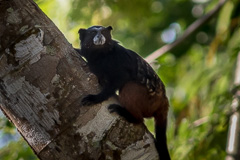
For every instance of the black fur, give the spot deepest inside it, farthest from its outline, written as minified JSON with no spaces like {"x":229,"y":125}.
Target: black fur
{"x":122,"y":112}
{"x":161,"y":142}
{"x":111,"y":63}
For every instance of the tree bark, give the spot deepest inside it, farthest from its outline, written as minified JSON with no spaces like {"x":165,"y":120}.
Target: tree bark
{"x":42,"y":82}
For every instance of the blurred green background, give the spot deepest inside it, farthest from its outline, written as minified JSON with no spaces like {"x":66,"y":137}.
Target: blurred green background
{"x":198,"y":74}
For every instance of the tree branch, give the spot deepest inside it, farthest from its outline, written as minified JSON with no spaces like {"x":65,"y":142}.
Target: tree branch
{"x":42,"y":82}
{"x":233,"y":145}
{"x":189,"y":31}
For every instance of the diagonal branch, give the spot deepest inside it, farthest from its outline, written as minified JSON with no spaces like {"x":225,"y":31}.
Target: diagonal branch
{"x":189,"y":31}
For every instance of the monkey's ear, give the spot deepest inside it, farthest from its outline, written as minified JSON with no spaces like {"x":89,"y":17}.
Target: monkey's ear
{"x":81,"y":33}
{"x":109,"y":28}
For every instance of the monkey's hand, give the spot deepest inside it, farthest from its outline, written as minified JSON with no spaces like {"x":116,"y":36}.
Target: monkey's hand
{"x":90,"y":100}
{"x":98,"y":98}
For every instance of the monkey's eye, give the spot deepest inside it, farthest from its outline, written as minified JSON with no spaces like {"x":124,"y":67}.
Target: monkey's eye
{"x":104,"y":31}
{"x":93,"y":32}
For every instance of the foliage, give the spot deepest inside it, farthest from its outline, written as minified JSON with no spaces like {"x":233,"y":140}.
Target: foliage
{"x":11,"y":145}
{"x":198,"y":74}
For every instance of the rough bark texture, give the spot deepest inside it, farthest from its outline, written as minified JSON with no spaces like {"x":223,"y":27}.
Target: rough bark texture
{"x":42,"y":81}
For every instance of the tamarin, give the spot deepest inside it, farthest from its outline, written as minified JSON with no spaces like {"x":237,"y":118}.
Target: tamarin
{"x":141,"y":92}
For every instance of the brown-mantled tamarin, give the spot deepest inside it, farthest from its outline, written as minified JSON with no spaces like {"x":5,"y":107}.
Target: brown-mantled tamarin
{"x":141,"y":92}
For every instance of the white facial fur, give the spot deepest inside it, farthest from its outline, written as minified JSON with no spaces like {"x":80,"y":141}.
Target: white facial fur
{"x":99,"y":39}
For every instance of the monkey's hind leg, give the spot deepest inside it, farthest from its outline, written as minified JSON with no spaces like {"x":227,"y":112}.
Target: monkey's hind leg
{"x":123,"y":112}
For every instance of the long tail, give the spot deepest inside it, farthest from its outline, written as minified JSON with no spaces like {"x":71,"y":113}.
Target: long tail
{"x":161,"y":138}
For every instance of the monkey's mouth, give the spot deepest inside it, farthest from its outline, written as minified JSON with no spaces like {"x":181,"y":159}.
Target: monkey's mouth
{"x":99,"y":40}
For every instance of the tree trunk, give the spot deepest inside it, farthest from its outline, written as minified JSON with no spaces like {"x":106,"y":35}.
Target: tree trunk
{"x":42,"y":82}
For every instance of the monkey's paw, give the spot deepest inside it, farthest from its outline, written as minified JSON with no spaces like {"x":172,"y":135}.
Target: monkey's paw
{"x":123,"y":112}
{"x":114,"y":108}
{"x":90,"y":100}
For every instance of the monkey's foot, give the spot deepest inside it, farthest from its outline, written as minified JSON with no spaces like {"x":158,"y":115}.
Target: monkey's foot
{"x":123,"y":112}
{"x":90,"y":100}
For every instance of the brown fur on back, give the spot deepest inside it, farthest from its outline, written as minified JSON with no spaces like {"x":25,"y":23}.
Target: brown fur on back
{"x":141,"y":104}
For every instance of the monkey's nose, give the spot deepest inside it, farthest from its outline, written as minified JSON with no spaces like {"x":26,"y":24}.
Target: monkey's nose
{"x":99,"y":39}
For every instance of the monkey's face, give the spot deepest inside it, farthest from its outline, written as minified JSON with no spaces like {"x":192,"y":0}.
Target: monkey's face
{"x":95,"y":36}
